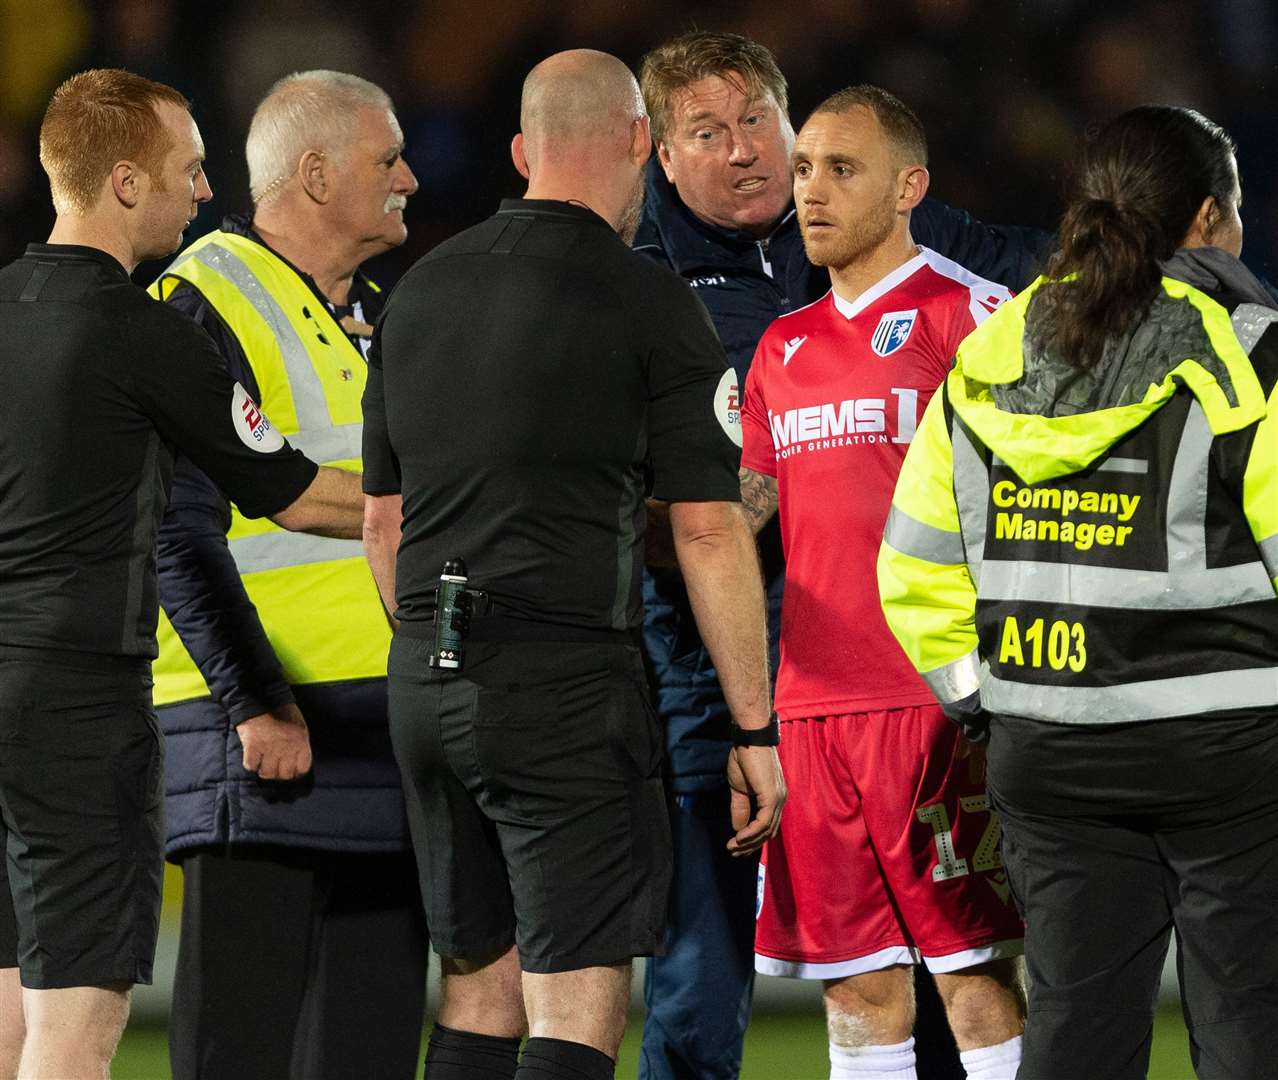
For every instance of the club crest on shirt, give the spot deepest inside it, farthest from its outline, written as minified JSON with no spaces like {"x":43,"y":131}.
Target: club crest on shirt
{"x":893,"y":331}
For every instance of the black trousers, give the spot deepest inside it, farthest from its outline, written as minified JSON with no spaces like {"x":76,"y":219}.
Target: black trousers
{"x":295,"y":964}
{"x":1113,"y":840}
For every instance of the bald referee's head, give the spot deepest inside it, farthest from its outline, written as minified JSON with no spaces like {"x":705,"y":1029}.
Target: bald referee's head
{"x":584,"y":135}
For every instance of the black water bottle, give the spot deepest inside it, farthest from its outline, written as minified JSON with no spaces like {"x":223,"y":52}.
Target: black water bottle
{"x":451,"y":616}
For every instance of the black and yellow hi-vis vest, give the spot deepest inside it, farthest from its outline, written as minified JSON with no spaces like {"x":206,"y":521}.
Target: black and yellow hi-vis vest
{"x":1105,"y":566}
{"x":315,"y":596}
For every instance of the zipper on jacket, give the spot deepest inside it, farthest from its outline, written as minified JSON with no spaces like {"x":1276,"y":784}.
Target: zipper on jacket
{"x":762,"y":245}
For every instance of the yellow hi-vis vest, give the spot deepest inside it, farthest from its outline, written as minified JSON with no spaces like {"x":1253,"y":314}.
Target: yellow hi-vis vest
{"x":316,"y":597}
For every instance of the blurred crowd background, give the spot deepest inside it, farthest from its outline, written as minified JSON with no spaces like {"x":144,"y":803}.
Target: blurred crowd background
{"x":1004,"y":87}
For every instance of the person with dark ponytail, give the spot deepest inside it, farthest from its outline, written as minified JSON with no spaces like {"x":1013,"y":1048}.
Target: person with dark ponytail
{"x":1081,"y":559}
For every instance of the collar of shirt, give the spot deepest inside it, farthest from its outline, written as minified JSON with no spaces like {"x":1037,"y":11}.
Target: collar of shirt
{"x":362,"y":294}
{"x":78,"y":251}
{"x":553,"y":208}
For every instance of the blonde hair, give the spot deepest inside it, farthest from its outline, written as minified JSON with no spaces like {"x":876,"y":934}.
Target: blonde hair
{"x":698,"y":54}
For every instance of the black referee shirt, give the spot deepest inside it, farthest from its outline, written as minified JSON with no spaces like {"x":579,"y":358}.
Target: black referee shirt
{"x":100,"y":384}
{"x":530,"y":380}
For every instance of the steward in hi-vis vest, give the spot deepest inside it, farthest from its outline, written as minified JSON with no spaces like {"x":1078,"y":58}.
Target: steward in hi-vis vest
{"x":283,"y":803}
{"x":314,"y":597}
{"x":1117,"y":559}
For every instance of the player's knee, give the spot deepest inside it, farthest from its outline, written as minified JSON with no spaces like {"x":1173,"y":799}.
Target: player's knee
{"x":872,"y":1009}
{"x":985,"y":1004}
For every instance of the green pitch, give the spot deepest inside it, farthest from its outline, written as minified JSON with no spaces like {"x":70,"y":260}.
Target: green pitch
{"x":779,"y":1046}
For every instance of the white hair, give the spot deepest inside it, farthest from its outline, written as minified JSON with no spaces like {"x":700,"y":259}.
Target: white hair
{"x":308,"y":110}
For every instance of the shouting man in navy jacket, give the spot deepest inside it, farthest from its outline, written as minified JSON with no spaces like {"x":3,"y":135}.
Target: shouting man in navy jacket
{"x":720,"y":213}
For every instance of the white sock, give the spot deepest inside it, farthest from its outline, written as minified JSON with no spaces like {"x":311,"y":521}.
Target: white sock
{"x":997,"y":1062}
{"x":894,"y":1062}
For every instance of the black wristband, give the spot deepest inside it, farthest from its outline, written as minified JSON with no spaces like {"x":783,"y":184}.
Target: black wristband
{"x":768,"y":736}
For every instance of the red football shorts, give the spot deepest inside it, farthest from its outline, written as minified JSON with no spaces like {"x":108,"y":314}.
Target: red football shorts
{"x":887,"y":853}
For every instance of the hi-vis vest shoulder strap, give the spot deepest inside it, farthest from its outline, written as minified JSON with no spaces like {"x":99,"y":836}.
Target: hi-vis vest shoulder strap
{"x":315,"y":597}
{"x":1132,"y":590}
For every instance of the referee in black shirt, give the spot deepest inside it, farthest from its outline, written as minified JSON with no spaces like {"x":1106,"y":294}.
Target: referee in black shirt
{"x":531,"y":380}
{"x":101,"y":384}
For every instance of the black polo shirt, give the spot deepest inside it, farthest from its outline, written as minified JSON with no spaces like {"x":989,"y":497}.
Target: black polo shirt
{"x":101,"y":383}
{"x":529,"y":382}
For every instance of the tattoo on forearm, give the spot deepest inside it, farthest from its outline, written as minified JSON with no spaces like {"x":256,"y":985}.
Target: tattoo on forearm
{"x":758,"y":497}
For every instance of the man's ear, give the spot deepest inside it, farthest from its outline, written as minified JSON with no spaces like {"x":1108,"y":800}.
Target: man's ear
{"x":640,"y":141}
{"x":517,"y":155}
{"x":313,"y":170}
{"x":663,"y":156}
{"x":126,"y":183}
{"x":912,"y":183}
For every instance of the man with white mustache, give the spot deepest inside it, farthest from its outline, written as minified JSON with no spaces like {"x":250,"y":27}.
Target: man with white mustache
{"x":283,"y":802}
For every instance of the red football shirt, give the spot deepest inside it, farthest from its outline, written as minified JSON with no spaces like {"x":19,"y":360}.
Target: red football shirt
{"x":834,"y":395}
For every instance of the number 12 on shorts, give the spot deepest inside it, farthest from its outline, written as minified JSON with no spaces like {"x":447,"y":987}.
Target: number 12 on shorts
{"x":948,"y":864}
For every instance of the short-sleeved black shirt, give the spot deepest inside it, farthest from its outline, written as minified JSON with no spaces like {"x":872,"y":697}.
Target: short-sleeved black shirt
{"x":529,"y":382}
{"x":101,"y":383}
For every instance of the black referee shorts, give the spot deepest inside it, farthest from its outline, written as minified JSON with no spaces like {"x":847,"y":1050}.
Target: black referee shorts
{"x":81,"y":798}
{"x":534,"y":793}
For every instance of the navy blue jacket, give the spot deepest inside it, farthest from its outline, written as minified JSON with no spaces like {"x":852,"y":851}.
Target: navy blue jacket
{"x":351,"y":800}
{"x":745,"y":283}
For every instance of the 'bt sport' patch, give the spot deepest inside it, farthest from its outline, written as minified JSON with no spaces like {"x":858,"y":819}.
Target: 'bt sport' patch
{"x":251,"y":425}
{"x":727,"y":406}
{"x":893,"y":331}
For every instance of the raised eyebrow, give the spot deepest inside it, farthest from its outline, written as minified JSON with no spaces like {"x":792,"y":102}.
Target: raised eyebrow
{"x":698,"y":117}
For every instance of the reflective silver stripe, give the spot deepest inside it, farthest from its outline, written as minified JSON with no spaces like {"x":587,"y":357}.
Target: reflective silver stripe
{"x":957,"y":679}
{"x":279,"y":550}
{"x":1124,"y":465}
{"x":309,"y":402}
{"x":1250,"y":322}
{"x":1186,"y":585}
{"x":1112,"y":587}
{"x":1155,"y":699}
{"x":1187,"y":497}
{"x":1269,"y":552}
{"x":340,"y":443}
{"x":972,"y":496}
{"x":910,"y":536}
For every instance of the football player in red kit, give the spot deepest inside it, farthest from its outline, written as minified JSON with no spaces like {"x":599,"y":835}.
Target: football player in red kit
{"x":888,"y":853}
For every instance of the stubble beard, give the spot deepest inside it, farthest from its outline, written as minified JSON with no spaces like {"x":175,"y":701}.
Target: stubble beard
{"x":629,"y":223}
{"x":864,"y":236}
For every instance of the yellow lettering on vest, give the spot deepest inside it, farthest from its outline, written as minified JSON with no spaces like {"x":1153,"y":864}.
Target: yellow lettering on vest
{"x":1120,"y":538}
{"x":1046,"y":499}
{"x":1104,"y":535}
{"x":1067,"y":532}
{"x":1089,"y":503}
{"x":1010,"y":647}
{"x":1007,"y":526}
{"x":1069,"y":502}
{"x":1109,"y":503}
{"x":1083,"y":534}
{"x":1078,"y":658}
{"x":1002,"y":493}
{"x":1130,"y":502}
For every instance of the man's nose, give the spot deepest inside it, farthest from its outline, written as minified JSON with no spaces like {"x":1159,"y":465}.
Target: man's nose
{"x":743,"y":151}
{"x":405,"y":181}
